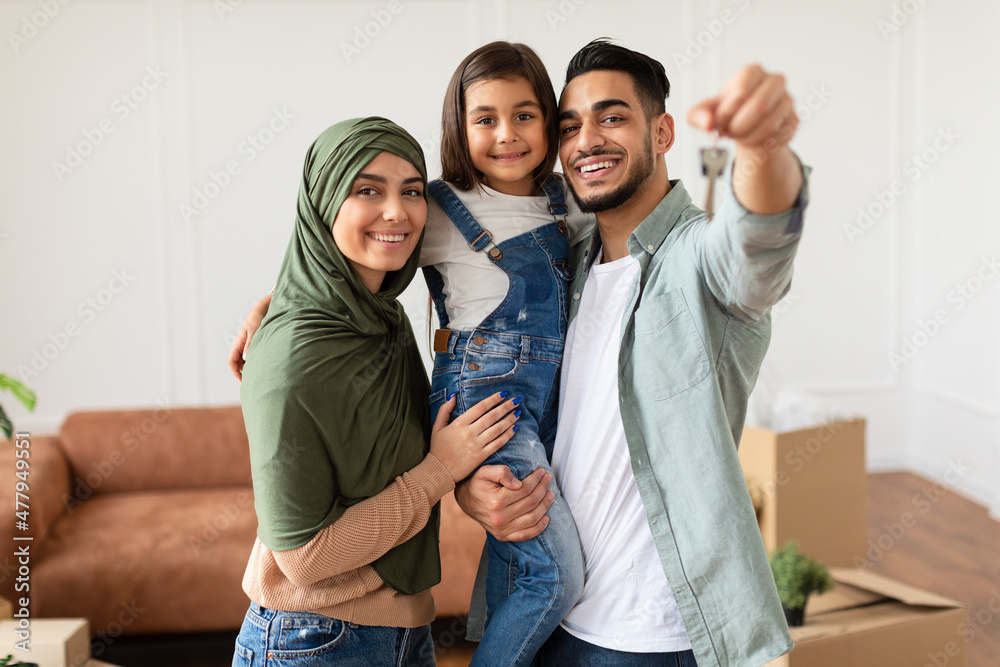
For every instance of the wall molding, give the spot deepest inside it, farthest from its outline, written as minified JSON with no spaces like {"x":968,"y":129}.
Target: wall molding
{"x":962,"y":403}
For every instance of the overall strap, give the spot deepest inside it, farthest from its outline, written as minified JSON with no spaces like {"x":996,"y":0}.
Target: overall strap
{"x":556,"y":193}
{"x":474,"y":234}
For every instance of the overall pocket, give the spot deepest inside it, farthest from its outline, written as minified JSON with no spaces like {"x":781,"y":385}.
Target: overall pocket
{"x":482,"y":367}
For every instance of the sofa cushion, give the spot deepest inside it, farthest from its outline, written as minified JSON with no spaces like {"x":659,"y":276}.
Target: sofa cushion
{"x":164,"y":448}
{"x":168,"y":561}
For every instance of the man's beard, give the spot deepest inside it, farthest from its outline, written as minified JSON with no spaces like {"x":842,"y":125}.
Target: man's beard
{"x":641,"y":172}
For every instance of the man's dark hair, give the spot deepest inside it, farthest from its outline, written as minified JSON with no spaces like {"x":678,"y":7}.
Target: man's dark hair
{"x":648,"y":76}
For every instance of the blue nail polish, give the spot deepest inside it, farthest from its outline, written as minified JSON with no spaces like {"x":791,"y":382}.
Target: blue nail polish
{"x":503,"y":394}
{"x":517,"y":413}
{"x":517,"y":401}
{"x":451,"y":396}
{"x":516,"y":426}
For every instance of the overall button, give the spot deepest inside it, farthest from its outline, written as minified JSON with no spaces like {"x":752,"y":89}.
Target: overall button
{"x":475,"y":367}
{"x":479,"y":340}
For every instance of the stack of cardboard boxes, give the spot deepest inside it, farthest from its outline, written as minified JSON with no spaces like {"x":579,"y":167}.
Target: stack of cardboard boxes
{"x":810,"y":486}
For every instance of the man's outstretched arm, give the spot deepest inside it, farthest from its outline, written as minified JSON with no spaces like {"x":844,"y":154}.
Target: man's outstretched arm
{"x":755,"y":110}
{"x":746,"y":252}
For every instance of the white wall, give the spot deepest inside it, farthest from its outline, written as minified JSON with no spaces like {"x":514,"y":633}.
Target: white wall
{"x":872,"y":94}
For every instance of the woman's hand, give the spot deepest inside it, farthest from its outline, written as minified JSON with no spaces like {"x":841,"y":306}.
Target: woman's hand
{"x":238,"y":354}
{"x":469,"y":440}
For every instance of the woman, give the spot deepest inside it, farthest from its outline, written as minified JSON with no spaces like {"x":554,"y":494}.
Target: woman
{"x":334,"y":399}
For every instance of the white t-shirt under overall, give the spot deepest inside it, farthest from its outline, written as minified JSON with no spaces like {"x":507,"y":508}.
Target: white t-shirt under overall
{"x":474,"y":286}
{"x":626,"y":604}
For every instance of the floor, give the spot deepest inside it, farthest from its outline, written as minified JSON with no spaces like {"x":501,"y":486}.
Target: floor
{"x":952,"y":548}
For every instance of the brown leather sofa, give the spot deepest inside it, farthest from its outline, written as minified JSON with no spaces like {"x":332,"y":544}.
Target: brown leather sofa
{"x":143,"y":521}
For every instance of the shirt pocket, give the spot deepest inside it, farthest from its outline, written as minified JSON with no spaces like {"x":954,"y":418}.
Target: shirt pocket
{"x":669,"y":355}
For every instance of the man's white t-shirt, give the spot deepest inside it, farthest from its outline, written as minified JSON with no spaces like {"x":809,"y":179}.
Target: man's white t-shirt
{"x":474,"y":285}
{"x":626,"y":604}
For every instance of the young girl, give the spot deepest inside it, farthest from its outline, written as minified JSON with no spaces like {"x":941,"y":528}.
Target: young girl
{"x":334,"y":398}
{"x":495,"y":253}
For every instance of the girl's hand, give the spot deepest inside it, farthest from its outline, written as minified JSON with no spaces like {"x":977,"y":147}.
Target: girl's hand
{"x":469,"y":440}
{"x":238,"y":353}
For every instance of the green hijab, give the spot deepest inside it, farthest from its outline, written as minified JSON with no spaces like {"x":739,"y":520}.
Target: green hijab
{"x":334,"y":392}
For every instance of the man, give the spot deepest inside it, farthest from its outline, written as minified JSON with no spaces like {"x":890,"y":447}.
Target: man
{"x":669,"y":323}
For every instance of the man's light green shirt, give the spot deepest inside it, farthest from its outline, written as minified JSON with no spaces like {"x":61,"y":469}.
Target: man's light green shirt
{"x":695,"y":330}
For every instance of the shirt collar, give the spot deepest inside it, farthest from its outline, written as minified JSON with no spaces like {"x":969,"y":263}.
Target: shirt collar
{"x":651,"y":232}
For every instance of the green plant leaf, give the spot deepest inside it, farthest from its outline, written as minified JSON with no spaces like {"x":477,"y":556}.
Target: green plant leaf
{"x":8,"y":429}
{"x":22,"y":393}
{"x":797,"y":576}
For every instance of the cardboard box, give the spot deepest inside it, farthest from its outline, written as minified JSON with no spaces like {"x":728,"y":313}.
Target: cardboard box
{"x":55,"y":642}
{"x":872,"y":621}
{"x":6,"y":608}
{"x":810,"y":486}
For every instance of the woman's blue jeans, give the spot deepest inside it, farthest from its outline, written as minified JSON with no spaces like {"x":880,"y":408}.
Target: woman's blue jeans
{"x":274,"y":638}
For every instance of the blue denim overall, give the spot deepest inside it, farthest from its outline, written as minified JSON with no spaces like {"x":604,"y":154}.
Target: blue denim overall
{"x":530,"y":585}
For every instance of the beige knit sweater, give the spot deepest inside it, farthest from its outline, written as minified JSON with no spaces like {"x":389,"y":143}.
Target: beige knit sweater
{"x":331,"y":575}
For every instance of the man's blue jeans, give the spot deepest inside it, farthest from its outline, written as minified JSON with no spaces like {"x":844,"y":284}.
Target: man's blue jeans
{"x":274,"y":638}
{"x":565,"y":650}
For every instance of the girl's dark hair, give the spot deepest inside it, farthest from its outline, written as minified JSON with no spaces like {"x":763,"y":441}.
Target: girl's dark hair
{"x":497,"y":60}
{"x":649,"y":79}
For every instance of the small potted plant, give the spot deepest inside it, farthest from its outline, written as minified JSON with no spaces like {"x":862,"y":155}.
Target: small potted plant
{"x":4,"y":662}
{"x":797,"y":576}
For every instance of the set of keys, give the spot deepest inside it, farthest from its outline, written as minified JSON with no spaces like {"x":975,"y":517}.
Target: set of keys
{"x":713,"y":162}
